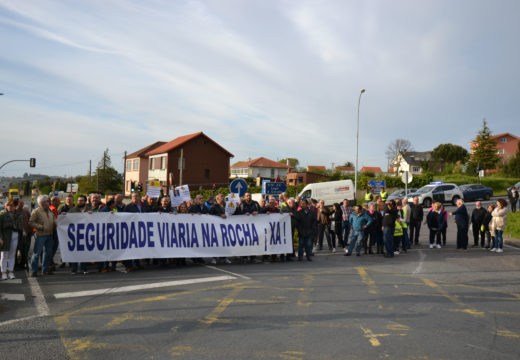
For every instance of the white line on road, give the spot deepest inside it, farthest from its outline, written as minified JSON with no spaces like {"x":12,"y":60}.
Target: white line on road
{"x":419,"y":267}
{"x":141,"y":287}
{"x":12,"y":297}
{"x":228,"y":272}
{"x":39,"y":299}
{"x":9,"y":322}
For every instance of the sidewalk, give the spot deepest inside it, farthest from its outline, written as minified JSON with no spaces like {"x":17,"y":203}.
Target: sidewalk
{"x":511,"y":241}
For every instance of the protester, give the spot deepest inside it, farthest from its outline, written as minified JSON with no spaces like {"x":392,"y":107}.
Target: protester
{"x":119,"y":202}
{"x":198,"y":205}
{"x":292,"y":210}
{"x":498,"y":224}
{"x":405,"y":216}
{"x":389,"y":220}
{"x":248,"y":206}
{"x":374,"y":230}
{"x":69,"y":204}
{"x":324,"y":226}
{"x":485,"y":228}
{"x":81,"y":207}
{"x":513,"y":195}
{"x":359,"y":221}
{"x":435,"y":221}
{"x":416,"y":219}
{"x":11,"y":231}
{"x":219,"y":209}
{"x":44,"y":221}
{"x":336,"y":225}
{"x":462,"y":222}
{"x":134,"y":207}
{"x":346,"y":210}
{"x":444,"y":227}
{"x":307,"y":224}
{"x":165,"y":205}
{"x":25,"y":242}
{"x":477,"y":217}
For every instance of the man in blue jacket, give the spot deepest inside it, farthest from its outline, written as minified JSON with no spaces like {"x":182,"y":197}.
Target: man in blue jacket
{"x":359,"y":220}
{"x":462,"y":221}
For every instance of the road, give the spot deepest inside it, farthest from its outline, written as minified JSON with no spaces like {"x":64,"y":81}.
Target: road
{"x":425,"y":304}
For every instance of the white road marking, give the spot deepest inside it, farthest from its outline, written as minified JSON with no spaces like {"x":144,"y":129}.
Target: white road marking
{"x":39,"y":299}
{"x":141,"y":287}
{"x":228,"y":272}
{"x":12,"y":297}
{"x":9,"y":322}
{"x":419,"y":267}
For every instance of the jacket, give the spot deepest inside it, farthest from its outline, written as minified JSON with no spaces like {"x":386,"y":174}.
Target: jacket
{"x":461,"y":216}
{"x":218,"y":210}
{"x":416,"y":214}
{"x":9,"y":224}
{"x":307,"y":223}
{"x":133,"y":208}
{"x":498,"y":221}
{"x":358,"y":221}
{"x":43,"y":220}
{"x":377,"y":220}
{"x":198,"y":209}
{"x":477,"y":217}
{"x":245,"y":208}
{"x":485,"y":221}
{"x":435,"y":220}
{"x":390,"y":217}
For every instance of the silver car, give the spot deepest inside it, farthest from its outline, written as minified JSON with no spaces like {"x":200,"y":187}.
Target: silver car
{"x":439,"y":192}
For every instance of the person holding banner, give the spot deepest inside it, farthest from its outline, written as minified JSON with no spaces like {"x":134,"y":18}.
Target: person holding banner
{"x":165,"y":206}
{"x":219,"y":209}
{"x":134,"y":207}
{"x":248,"y":206}
{"x":198,"y":206}
{"x":307,"y":224}
{"x":43,"y":220}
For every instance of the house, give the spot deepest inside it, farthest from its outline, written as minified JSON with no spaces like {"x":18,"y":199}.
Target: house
{"x":297,"y":178}
{"x":314,"y":168}
{"x":506,"y":145}
{"x":345,"y":170}
{"x":260,"y":167}
{"x":136,"y":168}
{"x":410,"y":161}
{"x":372,"y":169}
{"x":204,"y":162}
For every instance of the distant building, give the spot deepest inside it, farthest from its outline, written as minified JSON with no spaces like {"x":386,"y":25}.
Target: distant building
{"x":506,"y":145}
{"x":136,"y":167}
{"x":297,"y":178}
{"x":372,"y":169}
{"x":260,"y":167}
{"x":410,"y":161}
{"x":345,"y":170}
{"x":204,"y":162}
{"x":317,"y":167}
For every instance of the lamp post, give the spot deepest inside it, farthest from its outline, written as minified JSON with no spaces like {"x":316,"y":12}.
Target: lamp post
{"x":357,"y":144}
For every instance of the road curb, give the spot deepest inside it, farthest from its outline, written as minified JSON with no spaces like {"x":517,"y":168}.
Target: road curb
{"x":508,"y":240}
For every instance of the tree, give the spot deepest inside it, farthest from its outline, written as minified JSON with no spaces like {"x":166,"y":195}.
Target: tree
{"x":107,"y":178}
{"x":292,"y":162}
{"x":349,"y":164}
{"x":449,"y":153}
{"x":484,"y":149}
{"x":398,"y":146}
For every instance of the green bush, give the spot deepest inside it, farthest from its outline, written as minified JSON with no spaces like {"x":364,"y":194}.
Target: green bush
{"x":513,"y":225}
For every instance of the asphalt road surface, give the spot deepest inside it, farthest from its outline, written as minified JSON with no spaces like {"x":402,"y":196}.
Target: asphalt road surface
{"x":425,"y":304}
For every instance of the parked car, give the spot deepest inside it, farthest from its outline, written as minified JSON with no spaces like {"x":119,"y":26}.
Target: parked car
{"x":517,"y":186}
{"x":472,"y":192}
{"x":399,"y":194}
{"x":329,"y":191}
{"x":437,"y":191}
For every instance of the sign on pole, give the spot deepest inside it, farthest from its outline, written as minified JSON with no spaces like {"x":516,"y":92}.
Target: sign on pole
{"x":275,"y":188}
{"x":264,"y":182}
{"x":377,"y":185}
{"x":238,"y":186}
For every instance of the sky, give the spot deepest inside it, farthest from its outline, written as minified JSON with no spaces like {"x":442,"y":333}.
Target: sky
{"x":262,"y":78}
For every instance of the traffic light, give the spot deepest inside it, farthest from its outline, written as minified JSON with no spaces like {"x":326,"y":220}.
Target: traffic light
{"x":139,"y":187}
{"x":132,"y":186}
{"x":32,"y":162}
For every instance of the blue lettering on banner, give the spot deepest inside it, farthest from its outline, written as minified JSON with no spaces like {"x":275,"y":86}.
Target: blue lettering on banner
{"x":232,"y":239}
{"x":173,"y":236}
{"x":149,"y":231}
{"x":124,"y":236}
{"x":163,"y":234}
{"x":110,"y":236}
{"x":90,"y":238}
{"x":100,"y":240}
{"x":225,"y":240}
{"x":72,"y":240}
{"x":79,"y":237}
{"x":141,"y":233}
{"x":133,"y":236}
{"x":275,"y":233}
{"x":194,"y":236}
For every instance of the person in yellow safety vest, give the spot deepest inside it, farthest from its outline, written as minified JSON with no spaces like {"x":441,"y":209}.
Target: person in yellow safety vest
{"x":398,"y":236}
{"x":383,"y":194}
{"x":368,"y":196}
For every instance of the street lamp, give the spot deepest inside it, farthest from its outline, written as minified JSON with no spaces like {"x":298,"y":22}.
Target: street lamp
{"x":357,"y":144}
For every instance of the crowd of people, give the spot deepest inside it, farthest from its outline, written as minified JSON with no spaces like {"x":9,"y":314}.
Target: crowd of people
{"x":390,"y":226}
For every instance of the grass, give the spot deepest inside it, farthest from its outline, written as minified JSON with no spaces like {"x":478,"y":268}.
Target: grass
{"x":498,"y":184}
{"x":513,"y":225}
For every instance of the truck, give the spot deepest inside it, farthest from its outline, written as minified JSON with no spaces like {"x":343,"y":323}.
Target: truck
{"x":329,"y":191}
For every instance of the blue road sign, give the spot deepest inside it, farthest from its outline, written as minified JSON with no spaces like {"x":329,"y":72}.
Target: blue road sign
{"x":376,"y":183}
{"x":263,"y":185}
{"x":275,"y":188}
{"x":238,"y":186}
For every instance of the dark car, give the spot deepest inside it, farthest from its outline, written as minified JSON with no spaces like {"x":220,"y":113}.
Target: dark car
{"x":517,"y":186}
{"x":400,"y":194}
{"x":472,"y":192}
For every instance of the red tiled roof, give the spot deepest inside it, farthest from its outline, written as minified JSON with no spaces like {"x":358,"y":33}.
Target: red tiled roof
{"x":504,"y":134}
{"x":345,"y":168}
{"x":261,"y":162}
{"x":371,"y":169}
{"x":318,"y":167}
{"x":143,"y":151}
{"x":180,"y":141}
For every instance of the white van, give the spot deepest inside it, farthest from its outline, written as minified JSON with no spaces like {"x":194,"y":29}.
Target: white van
{"x":330,"y":192}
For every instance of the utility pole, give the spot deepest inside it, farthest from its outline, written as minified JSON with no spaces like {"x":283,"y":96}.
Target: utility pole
{"x":181,"y":166}
{"x":90,"y":171}
{"x":124,"y":175}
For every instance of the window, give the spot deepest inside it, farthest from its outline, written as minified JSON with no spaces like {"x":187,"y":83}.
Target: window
{"x":206,"y":173}
{"x":272,"y":173}
{"x":503,"y":140}
{"x":136,"y":164}
{"x":151,"y":163}
{"x":416,"y":169}
{"x":128,"y":165}
{"x":163,"y":162}
{"x":300,"y":179}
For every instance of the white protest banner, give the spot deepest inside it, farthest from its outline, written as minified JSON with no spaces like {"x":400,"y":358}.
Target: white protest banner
{"x":87,"y":237}
{"x":179,"y":195}
{"x":154,"y":189}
